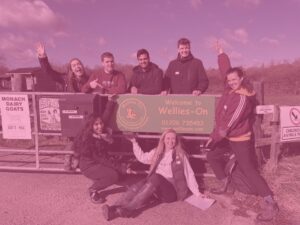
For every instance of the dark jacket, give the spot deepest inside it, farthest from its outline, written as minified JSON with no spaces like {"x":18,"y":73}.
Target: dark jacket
{"x":96,"y":148}
{"x":181,"y":186}
{"x":148,"y":81}
{"x":183,"y":76}
{"x":69,"y":84}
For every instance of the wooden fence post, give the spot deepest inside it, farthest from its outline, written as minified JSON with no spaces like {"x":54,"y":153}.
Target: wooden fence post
{"x":275,"y":145}
{"x":259,"y":89}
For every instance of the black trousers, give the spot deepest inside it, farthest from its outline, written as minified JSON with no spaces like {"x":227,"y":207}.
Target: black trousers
{"x":101,"y":176}
{"x":139,"y":193}
{"x":243,"y":151}
{"x":165,"y":190}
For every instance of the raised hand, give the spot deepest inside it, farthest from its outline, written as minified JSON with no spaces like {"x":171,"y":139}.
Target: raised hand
{"x":134,"y":90}
{"x":218,"y":47}
{"x":40,"y":50}
{"x":196,"y":92}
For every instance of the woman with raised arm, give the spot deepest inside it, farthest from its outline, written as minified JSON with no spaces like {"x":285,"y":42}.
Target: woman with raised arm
{"x":72,"y":80}
{"x":170,"y":177}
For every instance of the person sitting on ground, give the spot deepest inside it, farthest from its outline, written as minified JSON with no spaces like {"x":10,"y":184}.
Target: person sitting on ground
{"x":170,"y":177}
{"x":233,"y":132}
{"x":72,"y":80}
{"x":91,"y":146}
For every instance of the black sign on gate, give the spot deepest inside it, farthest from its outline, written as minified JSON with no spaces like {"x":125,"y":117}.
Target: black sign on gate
{"x":67,"y":114}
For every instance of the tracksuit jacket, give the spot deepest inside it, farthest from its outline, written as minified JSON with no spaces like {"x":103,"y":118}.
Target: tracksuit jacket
{"x":234,"y":114}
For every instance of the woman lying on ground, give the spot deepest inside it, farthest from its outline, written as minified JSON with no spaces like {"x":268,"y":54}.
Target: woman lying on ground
{"x":91,"y":146}
{"x":170,"y":177}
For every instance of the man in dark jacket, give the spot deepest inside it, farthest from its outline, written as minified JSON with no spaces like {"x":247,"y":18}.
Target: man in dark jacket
{"x":147,"y":76}
{"x":186,"y":74}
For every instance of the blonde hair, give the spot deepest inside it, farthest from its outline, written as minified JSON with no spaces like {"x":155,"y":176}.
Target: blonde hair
{"x":160,"y":149}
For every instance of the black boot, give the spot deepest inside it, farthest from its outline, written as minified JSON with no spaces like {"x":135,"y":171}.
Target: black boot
{"x":96,"y":197}
{"x":112,"y":212}
{"x":269,"y":211}
{"x":130,"y":193}
{"x":109,"y":212}
{"x":222,"y":187}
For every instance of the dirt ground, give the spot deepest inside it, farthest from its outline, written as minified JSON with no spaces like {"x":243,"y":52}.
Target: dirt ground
{"x":61,"y":199}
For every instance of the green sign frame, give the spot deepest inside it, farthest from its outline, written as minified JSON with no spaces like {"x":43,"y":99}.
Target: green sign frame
{"x":186,"y":114}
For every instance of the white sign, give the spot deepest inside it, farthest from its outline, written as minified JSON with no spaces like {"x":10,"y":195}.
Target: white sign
{"x":15,"y":117}
{"x":265,"y":109}
{"x":49,"y":114}
{"x":290,"y":123}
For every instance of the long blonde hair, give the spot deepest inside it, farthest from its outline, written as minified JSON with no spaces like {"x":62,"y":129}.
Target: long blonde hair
{"x":160,"y":149}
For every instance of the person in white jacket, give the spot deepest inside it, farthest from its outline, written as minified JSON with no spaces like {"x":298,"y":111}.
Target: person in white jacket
{"x":170,"y":177}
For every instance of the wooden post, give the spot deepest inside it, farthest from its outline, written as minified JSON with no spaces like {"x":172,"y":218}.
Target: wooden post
{"x":275,"y":145}
{"x":259,"y":90}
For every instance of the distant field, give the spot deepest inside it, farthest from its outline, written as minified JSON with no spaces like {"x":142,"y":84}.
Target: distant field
{"x":283,"y":99}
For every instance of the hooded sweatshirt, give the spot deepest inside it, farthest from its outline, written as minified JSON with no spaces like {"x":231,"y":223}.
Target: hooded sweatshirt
{"x":184,"y":75}
{"x":148,"y":81}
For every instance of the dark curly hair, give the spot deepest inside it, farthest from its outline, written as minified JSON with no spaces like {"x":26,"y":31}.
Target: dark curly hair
{"x":82,"y":141}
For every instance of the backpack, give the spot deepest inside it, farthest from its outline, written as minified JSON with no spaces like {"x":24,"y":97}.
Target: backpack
{"x":237,"y":178}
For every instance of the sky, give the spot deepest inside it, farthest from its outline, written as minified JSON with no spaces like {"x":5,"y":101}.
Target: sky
{"x":252,"y":32}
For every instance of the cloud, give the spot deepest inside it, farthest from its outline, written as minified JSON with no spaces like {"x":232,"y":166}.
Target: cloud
{"x":102,"y":41}
{"x":243,"y":3}
{"x":28,"y":13}
{"x":211,"y":41}
{"x":236,"y":55}
{"x":270,"y":41}
{"x":17,"y":47}
{"x":239,"y":35}
{"x":196,"y":4}
{"x":75,"y":1}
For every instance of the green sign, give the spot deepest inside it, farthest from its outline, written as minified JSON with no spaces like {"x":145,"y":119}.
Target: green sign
{"x":155,"y":113}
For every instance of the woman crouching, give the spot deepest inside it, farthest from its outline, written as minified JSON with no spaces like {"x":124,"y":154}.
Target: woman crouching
{"x":91,"y":147}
